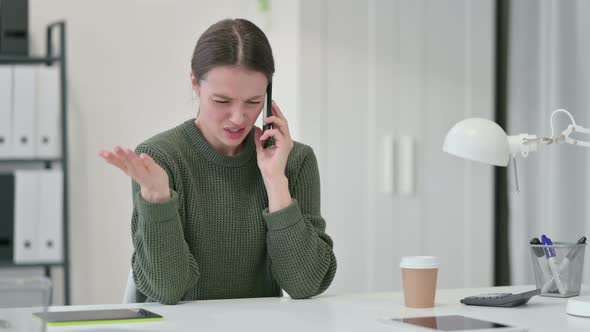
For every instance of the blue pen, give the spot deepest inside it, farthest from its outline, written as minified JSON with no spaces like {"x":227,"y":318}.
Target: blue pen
{"x":543,"y":264}
{"x":550,"y":254}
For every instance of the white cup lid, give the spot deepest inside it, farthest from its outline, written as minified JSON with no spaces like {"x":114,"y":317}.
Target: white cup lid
{"x":419,"y":262}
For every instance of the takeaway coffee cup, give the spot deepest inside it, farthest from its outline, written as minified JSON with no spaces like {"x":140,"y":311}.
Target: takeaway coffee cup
{"x":419,"y":280}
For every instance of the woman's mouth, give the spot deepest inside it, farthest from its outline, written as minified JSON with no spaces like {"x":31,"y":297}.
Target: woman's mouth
{"x":233,"y":133}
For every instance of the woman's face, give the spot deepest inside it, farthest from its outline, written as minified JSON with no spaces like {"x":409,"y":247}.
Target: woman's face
{"x":231,"y":98}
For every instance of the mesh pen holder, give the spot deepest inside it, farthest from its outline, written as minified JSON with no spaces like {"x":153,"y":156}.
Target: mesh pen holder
{"x":20,"y":298}
{"x":558,"y":268}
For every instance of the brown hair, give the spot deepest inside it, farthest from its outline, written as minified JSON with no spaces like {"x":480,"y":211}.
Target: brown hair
{"x":233,"y":42}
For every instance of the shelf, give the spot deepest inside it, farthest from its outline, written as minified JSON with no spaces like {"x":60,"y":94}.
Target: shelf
{"x":54,"y":55}
{"x":21,"y":59}
{"x":30,"y":160}
{"x":13,"y":264}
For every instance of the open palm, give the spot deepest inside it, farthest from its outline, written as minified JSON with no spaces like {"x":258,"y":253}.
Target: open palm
{"x":151,"y":177}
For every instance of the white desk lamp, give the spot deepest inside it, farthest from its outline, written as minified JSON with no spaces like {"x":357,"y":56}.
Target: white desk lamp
{"x":485,"y":141}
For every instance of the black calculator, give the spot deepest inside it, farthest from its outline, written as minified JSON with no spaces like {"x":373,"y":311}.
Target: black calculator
{"x":500,"y":299}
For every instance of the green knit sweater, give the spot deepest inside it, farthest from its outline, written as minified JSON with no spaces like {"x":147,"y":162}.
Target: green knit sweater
{"x":215,"y":238}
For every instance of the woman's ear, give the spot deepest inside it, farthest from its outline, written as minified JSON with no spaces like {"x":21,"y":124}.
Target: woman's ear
{"x":195,"y":85}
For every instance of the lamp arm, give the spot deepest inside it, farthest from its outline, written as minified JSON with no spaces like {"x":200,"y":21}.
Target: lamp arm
{"x":565,"y":135}
{"x":524,"y":143}
{"x":561,"y":110}
{"x":571,"y":128}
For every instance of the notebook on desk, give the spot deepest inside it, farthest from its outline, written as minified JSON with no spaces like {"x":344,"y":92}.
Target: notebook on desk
{"x":111,"y":316}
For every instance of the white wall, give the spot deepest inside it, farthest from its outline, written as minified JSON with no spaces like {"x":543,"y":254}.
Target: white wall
{"x":378,"y":68}
{"x":128,"y":76}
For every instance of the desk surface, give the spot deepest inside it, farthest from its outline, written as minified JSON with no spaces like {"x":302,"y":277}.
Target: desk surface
{"x":348,"y":312}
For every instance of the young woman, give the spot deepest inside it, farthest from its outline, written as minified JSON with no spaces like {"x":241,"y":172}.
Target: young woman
{"x":215,"y":214}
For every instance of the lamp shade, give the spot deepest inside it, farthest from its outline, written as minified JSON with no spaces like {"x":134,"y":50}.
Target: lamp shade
{"x":480,"y":140}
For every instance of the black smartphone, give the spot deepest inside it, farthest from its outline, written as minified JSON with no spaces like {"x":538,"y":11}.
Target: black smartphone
{"x":268,"y":112}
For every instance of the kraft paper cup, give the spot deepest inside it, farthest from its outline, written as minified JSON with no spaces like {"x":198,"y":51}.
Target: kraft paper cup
{"x":419,"y":275}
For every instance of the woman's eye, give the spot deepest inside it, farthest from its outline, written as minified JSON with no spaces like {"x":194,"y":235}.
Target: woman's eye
{"x":254,"y":102}
{"x":221,"y":101}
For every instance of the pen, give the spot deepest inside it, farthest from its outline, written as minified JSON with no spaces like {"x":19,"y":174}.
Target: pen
{"x":550,"y":254}
{"x":546,"y":273}
{"x":572,"y":254}
{"x":568,"y":258}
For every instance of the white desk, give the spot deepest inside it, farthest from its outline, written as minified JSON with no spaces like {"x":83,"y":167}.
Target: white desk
{"x":354,"y":312}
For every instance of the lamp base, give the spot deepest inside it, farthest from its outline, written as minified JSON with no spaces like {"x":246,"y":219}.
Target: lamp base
{"x":579,"y":306}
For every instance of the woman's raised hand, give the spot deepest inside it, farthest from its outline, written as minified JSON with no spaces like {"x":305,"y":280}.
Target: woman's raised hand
{"x":273,"y":160}
{"x":152,"y":178}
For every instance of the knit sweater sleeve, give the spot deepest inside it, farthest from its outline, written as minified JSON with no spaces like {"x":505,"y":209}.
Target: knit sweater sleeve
{"x":164,"y":269}
{"x":302,"y":259}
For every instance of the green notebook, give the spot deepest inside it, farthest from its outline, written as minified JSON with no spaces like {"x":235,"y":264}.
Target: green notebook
{"x":108,"y":316}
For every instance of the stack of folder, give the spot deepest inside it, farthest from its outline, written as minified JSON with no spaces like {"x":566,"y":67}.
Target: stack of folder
{"x":31,"y":216}
{"x":31,"y":200}
{"x":30,"y":112}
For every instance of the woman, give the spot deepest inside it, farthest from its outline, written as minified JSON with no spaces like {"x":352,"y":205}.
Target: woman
{"x":216,"y":215}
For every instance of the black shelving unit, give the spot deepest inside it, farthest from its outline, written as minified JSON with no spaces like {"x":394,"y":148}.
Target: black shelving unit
{"x":52,"y":58}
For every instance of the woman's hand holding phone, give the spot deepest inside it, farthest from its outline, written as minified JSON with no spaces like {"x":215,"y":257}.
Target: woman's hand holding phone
{"x":273,"y":159}
{"x":152,"y":178}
